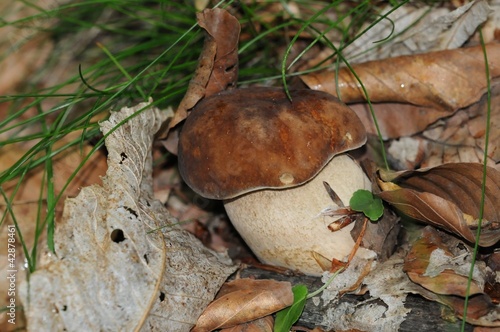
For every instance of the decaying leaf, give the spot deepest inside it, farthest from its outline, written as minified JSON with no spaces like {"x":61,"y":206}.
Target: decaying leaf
{"x":409,"y":95}
{"x":386,"y":282}
{"x":122,"y":262}
{"x":443,"y":267}
{"x":264,"y":324}
{"x":463,"y":135}
{"x":418,"y":29}
{"x":218,"y":63}
{"x":440,"y":264}
{"x":412,"y":79}
{"x":244,"y":300}
{"x":458,"y":138}
{"x":447,"y":196}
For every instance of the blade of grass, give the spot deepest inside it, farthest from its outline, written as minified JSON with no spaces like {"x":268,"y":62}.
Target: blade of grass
{"x":483,"y":183}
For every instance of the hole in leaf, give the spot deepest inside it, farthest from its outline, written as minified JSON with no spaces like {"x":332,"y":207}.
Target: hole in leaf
{"x":124,"y":156}
{"x":162,"y":296}
{"x":132,"y":211}
{"x":117,"y":236}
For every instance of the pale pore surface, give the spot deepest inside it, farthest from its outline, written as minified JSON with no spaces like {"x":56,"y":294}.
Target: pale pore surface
{"x":284,"y":227}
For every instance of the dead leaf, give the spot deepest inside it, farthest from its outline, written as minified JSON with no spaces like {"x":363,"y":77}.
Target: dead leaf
{"x":447,"y":196}
{"x":264,"y":324}
{"x":458,"y":138}
{"x":29,"y":203}
{"x":244,"y":300}
{"x":417,"y":29}
{"x":122,"y":262}
{"x":386,"y":282}
{"x":397,"y":119}
{"x":432,"y":264}
{"x":410,"y":95}
{"x":462,"y":136}
{"x":217,"y":68}
{"x":460,"y":24}
{"x":402,"y":79}
{"x":448,"y":286}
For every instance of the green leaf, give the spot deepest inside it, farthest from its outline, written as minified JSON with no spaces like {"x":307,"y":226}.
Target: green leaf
{"x":288,"y":316}
{"x":364,"y":201}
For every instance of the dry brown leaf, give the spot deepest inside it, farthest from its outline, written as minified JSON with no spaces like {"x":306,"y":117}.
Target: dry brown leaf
{"x":395,"y":119}
{"x":217,"y":68}
{"x":444,"y":80}
{"x":122,"y":262}
{"x":423,"y":269}
{"x":459,"y":138}
{"x":260,"y":325}
{"x":414,"y":91}
{"x":480,"y":310}
{"x":244,"y":300}
{"x":447,"y":196}
{"x":462,"y":137}
{"x":431,"y":264}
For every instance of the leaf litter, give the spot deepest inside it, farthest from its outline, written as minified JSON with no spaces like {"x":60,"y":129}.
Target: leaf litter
{"x":432,"y":107}
{"x":244,"y":300}
{"x":122,"y":262}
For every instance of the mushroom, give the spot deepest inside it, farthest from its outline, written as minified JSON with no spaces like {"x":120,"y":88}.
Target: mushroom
{"x":266,"y":157}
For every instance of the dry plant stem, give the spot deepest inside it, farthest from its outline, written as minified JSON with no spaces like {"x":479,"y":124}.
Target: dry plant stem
{"x":336,"y":264}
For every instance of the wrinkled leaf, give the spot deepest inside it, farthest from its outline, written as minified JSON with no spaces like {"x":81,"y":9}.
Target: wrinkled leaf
{"x":363,"y":201}
{"x":386,"y":282}
{"x":459,"y":138}
{"x":462,"y":136}
{"x":217,"y":68}
{"x":122,"y":262}
{"x":431,"y":264}
{"x":412,"y":79}
{"x":288,"y":316}
{"x":418,"y":29}
{"x":447,"y":196}
{"x":244,"y":300}
{"x":445,"y":281}
{"x":264,"y":324}
{"x":415,"y":90}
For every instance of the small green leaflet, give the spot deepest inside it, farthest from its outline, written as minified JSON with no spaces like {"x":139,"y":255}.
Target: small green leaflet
{"x":364,"y":201}
{"x":288,"y":316}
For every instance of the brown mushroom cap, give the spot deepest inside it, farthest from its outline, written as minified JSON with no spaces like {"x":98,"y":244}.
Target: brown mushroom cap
{"x":243,"y":140}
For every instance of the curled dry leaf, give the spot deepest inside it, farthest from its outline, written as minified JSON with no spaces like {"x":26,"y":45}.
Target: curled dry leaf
{"x":447,"y":196}
{"x":122,"y":262}
{"x":244,"y":300}
{"x":217,"y":68}
{"x":413,"y":91}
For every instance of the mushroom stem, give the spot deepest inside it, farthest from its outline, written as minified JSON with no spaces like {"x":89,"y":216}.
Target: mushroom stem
{"x":285,"y":226}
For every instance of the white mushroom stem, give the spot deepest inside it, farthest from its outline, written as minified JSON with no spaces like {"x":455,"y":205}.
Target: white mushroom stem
{"x":283,"y":227}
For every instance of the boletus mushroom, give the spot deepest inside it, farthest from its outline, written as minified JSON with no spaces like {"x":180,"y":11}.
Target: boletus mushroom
{"x":266,"y":157}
